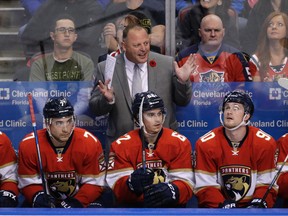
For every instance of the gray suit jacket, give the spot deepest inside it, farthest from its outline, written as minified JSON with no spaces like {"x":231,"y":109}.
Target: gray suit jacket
{"x":161,"y":79}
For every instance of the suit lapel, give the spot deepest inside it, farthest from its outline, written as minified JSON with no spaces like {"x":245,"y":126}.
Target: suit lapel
{"x":152,"y":78}
{"x":122,"y":77}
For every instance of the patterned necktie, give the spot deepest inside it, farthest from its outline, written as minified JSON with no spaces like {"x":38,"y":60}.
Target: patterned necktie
{"x":136,"y":83}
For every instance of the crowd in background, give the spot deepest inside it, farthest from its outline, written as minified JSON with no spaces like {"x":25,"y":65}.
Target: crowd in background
{"x":216,"y":41}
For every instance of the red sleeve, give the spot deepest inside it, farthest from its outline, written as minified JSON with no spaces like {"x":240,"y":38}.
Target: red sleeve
{"x":253,"y":69}
{"x":208,"y":190}
{"x":88,"y":193}
{"x":90,"y":188}
{"x":266,"y":164}
{"x":283,"y":185}
{"x":10,"y":186}
{"x":8,"y":165}
{"x":180,"y":168}
{"x":124,"y":194}
{"x":237,"y":70}
{"x":210,"y":197}
{"x":28,"y":170}
{"x":283,"y":178}
{"x":123,"y":167}
{"x":30,"y":191}
{"x":185,"y":191}
{"x":271,"y":198}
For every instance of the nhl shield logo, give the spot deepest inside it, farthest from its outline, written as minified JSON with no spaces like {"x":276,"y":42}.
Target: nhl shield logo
{"x":237,"y":181}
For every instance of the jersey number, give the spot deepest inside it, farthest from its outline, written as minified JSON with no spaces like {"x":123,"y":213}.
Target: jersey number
{"x":207,"y":136}
{"x":124,"y":137}
{"x":263,"y":135}
{"x":179,"y":136}
{"x":87,"y":134}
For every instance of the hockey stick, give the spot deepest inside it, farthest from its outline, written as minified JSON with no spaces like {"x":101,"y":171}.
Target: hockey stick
{"x":142,"y":134}
{"x":283,"y":82}
{"x":33,"y":120}
{"x":273,"y":181}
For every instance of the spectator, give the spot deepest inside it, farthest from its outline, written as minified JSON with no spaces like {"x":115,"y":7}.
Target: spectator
{"x":31,"y":6}
{"x":243,"y":7}
{"x":216,"y":61}
{"x":255,"y":21}
{"x":283,"y":178}
{"x":86,"y":14}
{"x":150,"y":13}
{"x":164,"y":178}
{"x":235,"y":163}
{"x":72,"y":161}
{"x":63,"y":64}
{"x":157,"y":74}
{"x":8,"y":173}
{"x":272,"y":49}
{"x":180,"y":4}
{"x":188,"y":23}
{"x":120,"y":25}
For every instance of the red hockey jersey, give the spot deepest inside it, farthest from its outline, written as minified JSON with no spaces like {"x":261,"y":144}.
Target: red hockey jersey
{"x":283,"y":178}
{"x":76,"y":170}
{"x":228,"y":65}
{"x":8,"y":165}
{"x":171,"y":160}
{"x":239,"y":174}
{"x":274,"y":72}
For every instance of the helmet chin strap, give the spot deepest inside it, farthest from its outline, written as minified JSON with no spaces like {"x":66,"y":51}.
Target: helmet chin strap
{"x":243,"y":123}
{"x":150,"y":135}
{"x":48,"y":123}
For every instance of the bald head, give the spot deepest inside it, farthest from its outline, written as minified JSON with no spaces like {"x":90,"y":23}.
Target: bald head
{"x":211,"y":18}
{"x":211,"y":32}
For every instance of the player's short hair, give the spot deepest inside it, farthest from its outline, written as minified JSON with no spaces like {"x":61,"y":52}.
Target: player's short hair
{"x":151,"y":101}
{"x":58,"y":107}
{"x":238,"y":96}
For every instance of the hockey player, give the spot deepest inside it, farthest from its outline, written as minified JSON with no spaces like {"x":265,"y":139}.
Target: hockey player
{"x":72,"y":161}
{"x":235,"y":163}
{"x":283,"y":178}
{"x":216,"y":61}
{"x":8,"y":173}
{"x":151,"y":167}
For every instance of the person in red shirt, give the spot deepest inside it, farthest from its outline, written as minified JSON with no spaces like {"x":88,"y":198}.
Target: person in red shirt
{"x":271,"y":56}
{"x":283,"y":178}
{"x":8,"y":173}
{"x":72,"y":161}
{"x":235,"y":162}
{"x":151,"y":166}
{"x":216,"y":61}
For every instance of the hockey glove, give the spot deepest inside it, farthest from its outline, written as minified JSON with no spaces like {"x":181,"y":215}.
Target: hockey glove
{"x":257,"y":203}
{"x":70,"y":202}
{"x":228,"y":204}
{"x":8,"y":199}
{"x":42,"y":200}
{"x":161,"y":195}
{"x":139,"y":180}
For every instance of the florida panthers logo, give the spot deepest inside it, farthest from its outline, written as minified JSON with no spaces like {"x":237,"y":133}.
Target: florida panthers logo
{"x":211,"y":76}
{"x":236,"y":180}
{"x":61,"y":184}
